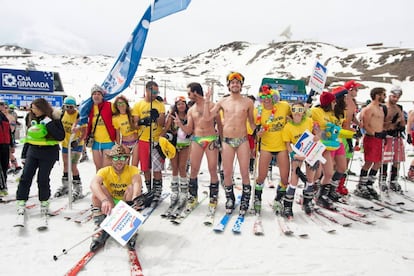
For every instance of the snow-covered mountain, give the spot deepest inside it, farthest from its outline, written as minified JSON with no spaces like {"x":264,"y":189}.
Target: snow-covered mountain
{"x":291,"y":60}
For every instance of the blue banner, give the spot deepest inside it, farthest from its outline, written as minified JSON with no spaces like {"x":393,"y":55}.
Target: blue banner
{"x":124,"y":68}
{"x":163,"y":8}
{"x":24,"y":100}
{"x":26,"y":81}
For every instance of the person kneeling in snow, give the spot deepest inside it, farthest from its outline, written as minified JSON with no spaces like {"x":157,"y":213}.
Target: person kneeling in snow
{"x":113,"y":183}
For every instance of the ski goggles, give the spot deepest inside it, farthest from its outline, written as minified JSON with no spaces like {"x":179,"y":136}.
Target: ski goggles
{"x":298,"y":109}
{"x":266,"y":96}
{"x":119,"y":158}
{"x":235,"y":75}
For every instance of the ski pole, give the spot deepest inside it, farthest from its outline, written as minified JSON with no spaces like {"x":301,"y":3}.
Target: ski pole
{"x":65,"y":251}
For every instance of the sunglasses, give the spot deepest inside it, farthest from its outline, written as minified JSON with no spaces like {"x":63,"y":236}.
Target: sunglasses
{"x":120,"y":103}
{"x":1,"y":104}
{"x":236,"y":76}
{"x":266,"y":96}
{"x":298,"y":109}
{"x":119,"y":158}
{"x":69,"y":107}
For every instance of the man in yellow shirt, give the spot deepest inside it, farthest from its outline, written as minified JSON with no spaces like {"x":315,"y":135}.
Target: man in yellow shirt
{"x":113,"y":183}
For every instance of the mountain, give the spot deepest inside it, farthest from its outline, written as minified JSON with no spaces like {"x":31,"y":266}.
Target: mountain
{"x":291,"y":60}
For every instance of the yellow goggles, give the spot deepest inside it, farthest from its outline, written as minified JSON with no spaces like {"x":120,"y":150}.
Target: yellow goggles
{"x":300,"y":109}
{"x":236,"y":76}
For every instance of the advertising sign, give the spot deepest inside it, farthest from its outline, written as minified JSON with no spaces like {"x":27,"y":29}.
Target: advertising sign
{"x":26,"y":81}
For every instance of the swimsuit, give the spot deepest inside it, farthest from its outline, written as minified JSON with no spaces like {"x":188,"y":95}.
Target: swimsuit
{"x":204,"y":141}
{"x":235,"y":142}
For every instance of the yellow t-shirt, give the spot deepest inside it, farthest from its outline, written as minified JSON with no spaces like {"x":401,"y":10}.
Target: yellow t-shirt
{"x":121,"y":122}
{"x":272,"y":138}
{"x":292,"y":132}
{"x":67,"y":121}
{"x":101,"y":133}
{"x":117,"y":184}
{"x":322,"y":118}
{"x":142,"y":110}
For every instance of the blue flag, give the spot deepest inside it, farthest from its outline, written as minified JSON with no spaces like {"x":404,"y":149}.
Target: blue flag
{"x":124,"y":68}
{"x":163,"y":8}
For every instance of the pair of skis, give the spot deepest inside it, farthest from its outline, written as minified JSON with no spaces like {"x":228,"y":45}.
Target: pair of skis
{"x":135,"y":265}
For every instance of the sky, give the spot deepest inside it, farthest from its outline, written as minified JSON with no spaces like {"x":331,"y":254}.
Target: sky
{"x":93,"y":27}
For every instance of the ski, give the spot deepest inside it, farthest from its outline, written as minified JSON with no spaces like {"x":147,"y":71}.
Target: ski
{"x":136,"y":268}
{"x":335,"y":219}
{"x":258,"y":226}
{"x":226,"y":218}
{"x":43,"y":224}
{"x":20,"y":221}
{"x":12,"y":199}
{"x":179,"y":219}
{"x":84,"y":217}
{"x":209,"y":218}
{"x":238,"y":224}
{"x":284,"y":226}
{"x":325,"y":226}
{"x":81,"y":263}
{"x":394,"y":208}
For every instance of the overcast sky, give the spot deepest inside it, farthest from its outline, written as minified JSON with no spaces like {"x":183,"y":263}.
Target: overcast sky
{"x":103,"y":26}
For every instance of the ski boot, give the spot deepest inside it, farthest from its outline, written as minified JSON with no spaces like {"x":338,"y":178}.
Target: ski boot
{"x":192,"y":199}
{"x":333,"y":195}
{"x":287,"y":210}
{"x":100,"y":237}
{"x":77,"y":190}
{"x":278,"y":205}
{"x":323,"y":199}
{"x":64,"y":189}
{"x":21,"y":209}
{"x":410,"y":175}
{"x":341,"y":189}
{"x":213,"y":195}
{"x":132,"y":241}
{"x":371,"y":190}
{"x":395,"y":186}
{"x":157,"y":192}
{"x":257,"y":203}
{"x":307,"y":202}
{"x":244,"y":203}
{"x":230,"y":199}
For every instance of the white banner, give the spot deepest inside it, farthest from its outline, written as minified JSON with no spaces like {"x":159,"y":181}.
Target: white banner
{"x":307,"y":147}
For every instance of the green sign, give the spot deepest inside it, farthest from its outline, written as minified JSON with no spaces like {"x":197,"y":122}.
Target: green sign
{"x":290,"y":90}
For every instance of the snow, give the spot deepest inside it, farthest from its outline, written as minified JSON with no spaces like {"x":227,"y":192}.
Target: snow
{"x":194,"y":249}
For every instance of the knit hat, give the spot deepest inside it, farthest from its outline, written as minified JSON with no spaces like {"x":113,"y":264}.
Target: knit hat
{"x":326,"y":98}
{"x":351,"y":84}
{"x":339,"y":91}
{"x":396,"y":90}
{"x":97,"y":88}
{"x":69,"y":100}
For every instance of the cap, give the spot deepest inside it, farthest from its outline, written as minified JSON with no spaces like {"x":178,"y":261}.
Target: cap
{"x":12,"y":106}
{"x":97,"y":88}
{"x":351,"y":84}
{"x":69,"y":100}
{"x":339,"y":91}
{"x":167,"y":148}
{"x":396,"y":90}
{"x":326,"y":98}
{"x":235,"y":75}
{"x":117,"y":150}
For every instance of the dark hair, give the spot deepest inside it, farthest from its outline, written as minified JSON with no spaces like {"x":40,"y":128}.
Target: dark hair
{"x":195,"y":87}
{"x":340,"y":107}
{"x":150,"y":85}
{"x":43,"y":106}
{"x":376,"y":91}
{"x":128,"y":110}
{"x":175,"y":109}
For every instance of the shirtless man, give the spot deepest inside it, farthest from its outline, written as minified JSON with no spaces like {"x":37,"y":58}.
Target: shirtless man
{"x":236,"y":111}
{"x":204,"y":140}
{"x":350,"y":118}
{"x":372,"y":120}
{"x":394,"y":125}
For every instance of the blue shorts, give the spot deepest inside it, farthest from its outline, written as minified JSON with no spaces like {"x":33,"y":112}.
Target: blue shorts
{"x":102,"y":146}
{"x":77,"y":149}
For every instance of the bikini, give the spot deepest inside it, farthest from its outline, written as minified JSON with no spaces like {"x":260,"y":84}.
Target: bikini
{"x":234,"y":142}
{"x":204,"y":141}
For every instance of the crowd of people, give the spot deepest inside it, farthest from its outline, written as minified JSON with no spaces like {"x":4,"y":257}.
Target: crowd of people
{"x":122,"y":137}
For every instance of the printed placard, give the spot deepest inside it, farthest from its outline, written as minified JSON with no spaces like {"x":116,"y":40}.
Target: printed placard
{"x":307,"y":147}
{"x":122,"y":223}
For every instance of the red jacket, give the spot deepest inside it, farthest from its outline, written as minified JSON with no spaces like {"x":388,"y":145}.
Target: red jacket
{"x":106,"y":114}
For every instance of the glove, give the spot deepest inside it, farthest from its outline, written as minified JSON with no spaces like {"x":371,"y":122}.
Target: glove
{"x":74,"y":144}
{"x":310,"y":96}
{"x":145,"y":121}
{"x":382,"y":134}
{"x":154,"y":114}
{"x":409,"y":139}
